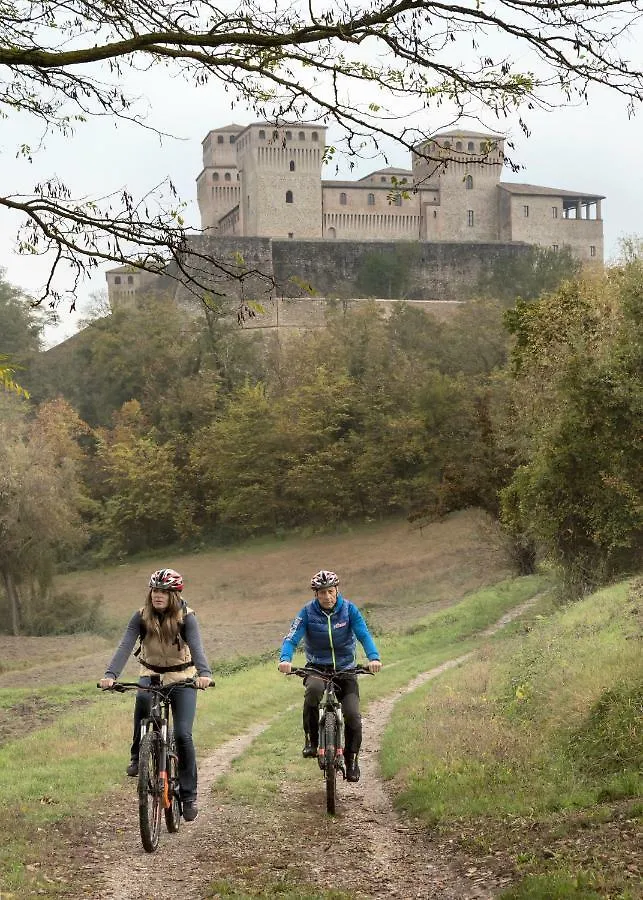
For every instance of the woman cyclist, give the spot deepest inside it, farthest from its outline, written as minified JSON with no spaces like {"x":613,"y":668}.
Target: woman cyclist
{"x":330,"y":626}
{"x":170,"y":645}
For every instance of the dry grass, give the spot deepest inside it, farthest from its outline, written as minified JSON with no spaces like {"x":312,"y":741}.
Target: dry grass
{"x":246,"y":596}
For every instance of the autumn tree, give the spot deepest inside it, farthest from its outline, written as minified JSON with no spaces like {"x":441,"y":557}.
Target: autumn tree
{"x":578,"y":401}
{"x":40,"y":498}
{"x":66,"y":62}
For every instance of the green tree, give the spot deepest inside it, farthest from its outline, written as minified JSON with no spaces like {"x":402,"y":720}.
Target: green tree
{"x":579,"y":405}
{"x":40,"y":500}
{"x":66,"y":62}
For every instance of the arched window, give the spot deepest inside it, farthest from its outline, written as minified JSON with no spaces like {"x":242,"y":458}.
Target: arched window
{"x":302,"y":136}
{"x":383,"y":179}
{"x":289,"y":135}
{"x":397,"y":201}
{"x":314,"y":136}
{"x":371,"y":199}
{"x":228,"y":176}
{"x":237,"y":176}
{"x":484,"y":148}
{"x":447,"y":145}
{"x":233,"y":138}
{"x":469,"y":182}
{"x":331,"y":232}
{"x":471,"y":146}
{"x":292,"y":165}
{"x":130,"y":279}
{"x":343,"y":199}
{"x":288,"y":196}
{"x":219,"y":139}
{"x":215,"y":176}
{"x":117,"y":279}
{"x":458,"y":145}
{"x":262,"y":135}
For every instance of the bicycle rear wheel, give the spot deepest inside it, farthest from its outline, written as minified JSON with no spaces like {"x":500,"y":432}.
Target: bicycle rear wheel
{"x":173,"y":811}
{"x":150,"y":801}
{"x":330,"y":773}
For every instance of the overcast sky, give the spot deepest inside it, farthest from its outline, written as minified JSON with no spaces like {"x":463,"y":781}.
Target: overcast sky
{"x":590,"y":149}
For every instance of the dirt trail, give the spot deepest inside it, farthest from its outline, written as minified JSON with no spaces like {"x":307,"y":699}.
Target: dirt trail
{"x":365,"y":850}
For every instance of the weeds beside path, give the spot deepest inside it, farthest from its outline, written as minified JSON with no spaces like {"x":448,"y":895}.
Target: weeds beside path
{"x":292,"y":848}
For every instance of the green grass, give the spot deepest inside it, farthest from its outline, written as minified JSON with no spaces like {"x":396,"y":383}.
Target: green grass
{"x":542,"y":725}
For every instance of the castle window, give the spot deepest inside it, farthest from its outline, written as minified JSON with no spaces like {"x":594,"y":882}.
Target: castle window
{"x":233,"y":138}
{"x":592,"y":250}
{"x":447,"y":145}
{"x":471,"y":147}
{"x":468,"y":182}
{"x":130,"y":279}
{"x":458,"y":145}
{"x":292,"y":165}
{"x":117,"y":279}
{"x":237,"y":176}
{"x":470,"y":218}
{"x":484,"y":148}
{"x":262,"y":135}
{"x":215,"y":176}
{"x":554,"y":212}
{"x":302,"y":136}
{"x":525,"y":211}
{"x":397,"y":201}
{"x":435,"y":213}
{"x":275,"y":135}
{"x":219,"y":139}
{"x":554,"y":247}
{"x":228,"y":176}
{"x":371,"y":199}
{"x":289,"y":135}
{"x":289,"y":198}
{"x":383,"y":179}
{"x":343,"y":199}
{"x":314,"y":136}
{"x":291,"y":234}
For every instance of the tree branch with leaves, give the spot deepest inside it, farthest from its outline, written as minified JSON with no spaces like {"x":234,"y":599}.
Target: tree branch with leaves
{"x":67,"y":61}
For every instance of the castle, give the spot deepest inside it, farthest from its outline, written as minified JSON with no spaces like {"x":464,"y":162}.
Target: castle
{"x":259,"y":181}
{"x":262,"y":199}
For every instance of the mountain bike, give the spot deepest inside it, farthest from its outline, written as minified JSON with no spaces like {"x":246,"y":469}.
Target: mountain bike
{"x":330,"y":742}
{"x":158,"y":780}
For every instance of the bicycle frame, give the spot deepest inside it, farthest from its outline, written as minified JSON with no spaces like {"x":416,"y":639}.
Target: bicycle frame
{"x":331,"y":728}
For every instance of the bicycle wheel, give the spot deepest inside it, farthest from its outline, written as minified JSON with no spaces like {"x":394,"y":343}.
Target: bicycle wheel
{"x":150,"y":801}
{"x":330,"y":773}
{"x":173,"y":811}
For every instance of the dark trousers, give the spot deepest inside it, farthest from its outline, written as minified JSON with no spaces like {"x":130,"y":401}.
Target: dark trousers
{"x":183,"y":704}
{"x":348,"y":694}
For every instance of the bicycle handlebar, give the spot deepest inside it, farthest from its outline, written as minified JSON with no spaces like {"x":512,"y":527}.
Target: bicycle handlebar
{"x":328,"y":676}
{"x":121,"y":687}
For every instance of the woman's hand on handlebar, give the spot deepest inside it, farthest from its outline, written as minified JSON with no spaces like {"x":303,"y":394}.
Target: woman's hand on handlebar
{"x":374,"y":666}
{"x":105,"y":683}
{"x":202,"y":682}
{"x":285,"y":667}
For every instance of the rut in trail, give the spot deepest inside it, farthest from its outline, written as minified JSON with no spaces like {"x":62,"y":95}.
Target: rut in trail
{"x":366,"y":850}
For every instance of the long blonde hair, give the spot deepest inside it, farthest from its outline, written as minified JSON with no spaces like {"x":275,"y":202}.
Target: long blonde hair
{"x":165,"y":626}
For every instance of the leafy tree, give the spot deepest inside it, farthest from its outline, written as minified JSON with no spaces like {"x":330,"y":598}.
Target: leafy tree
{"x":39,"y":502}
{"x":142,"y":505}
{"x":21,"y":329}
{"x":386,"y":273}
{"x":66,"y":62}
{"x":579,"y":405}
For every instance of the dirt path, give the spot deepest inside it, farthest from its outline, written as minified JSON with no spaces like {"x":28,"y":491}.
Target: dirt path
{"x":366,"y":850}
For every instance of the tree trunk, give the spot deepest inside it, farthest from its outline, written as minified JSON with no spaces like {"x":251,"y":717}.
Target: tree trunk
{"x":14,"y":602}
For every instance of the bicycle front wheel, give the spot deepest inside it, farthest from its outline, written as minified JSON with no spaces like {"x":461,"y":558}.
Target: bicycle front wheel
{"x":330,"y":772}
{"x":150,"y":800}
{"x":173,"y":811}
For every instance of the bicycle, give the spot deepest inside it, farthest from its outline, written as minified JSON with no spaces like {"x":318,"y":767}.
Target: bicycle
{"x":331,"y":733}
{"x":158,"y":780}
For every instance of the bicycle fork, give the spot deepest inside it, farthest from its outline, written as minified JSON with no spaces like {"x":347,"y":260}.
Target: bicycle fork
{"x":163,"y":786}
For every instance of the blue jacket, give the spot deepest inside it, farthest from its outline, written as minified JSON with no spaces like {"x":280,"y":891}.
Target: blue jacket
{"x":330,"y":638}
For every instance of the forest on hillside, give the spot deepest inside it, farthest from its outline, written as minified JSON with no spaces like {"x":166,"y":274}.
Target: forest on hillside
{"x":149,"y":428}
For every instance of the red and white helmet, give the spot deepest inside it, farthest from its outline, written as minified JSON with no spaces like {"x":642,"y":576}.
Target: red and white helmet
{"x":324,"y":579}
{"x":166,"y":580}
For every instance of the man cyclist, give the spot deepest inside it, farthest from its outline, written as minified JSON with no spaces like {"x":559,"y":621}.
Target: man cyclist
{"x":330,"y":626}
